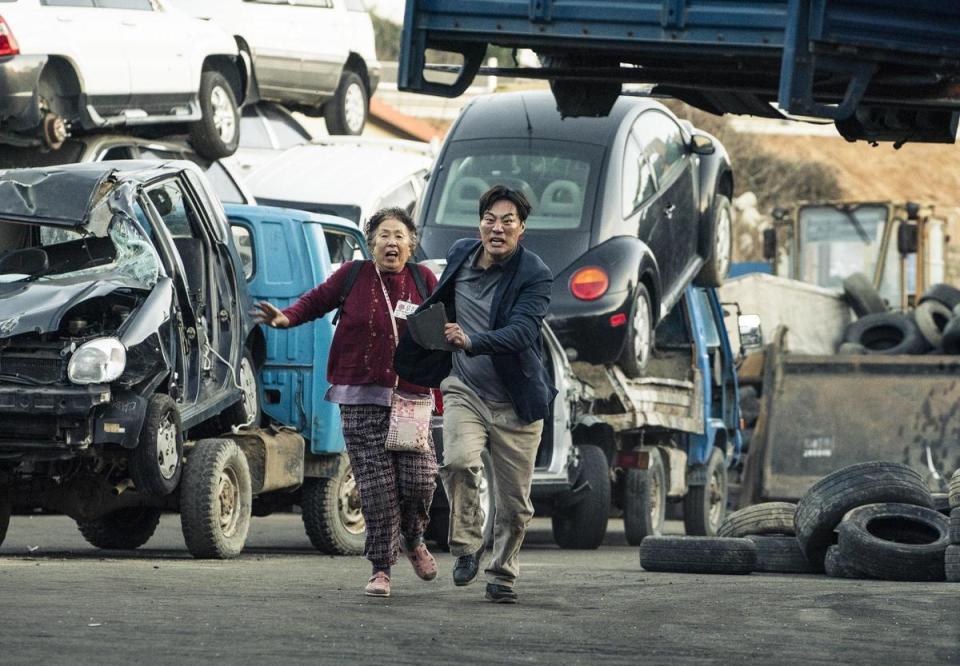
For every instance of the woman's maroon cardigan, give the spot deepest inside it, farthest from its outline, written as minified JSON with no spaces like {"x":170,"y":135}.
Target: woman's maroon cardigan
{"x":363,"y":344}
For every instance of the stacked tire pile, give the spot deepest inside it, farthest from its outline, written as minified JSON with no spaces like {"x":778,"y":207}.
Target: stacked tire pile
{"x":932,"y":327}
{"x":869,"y":520}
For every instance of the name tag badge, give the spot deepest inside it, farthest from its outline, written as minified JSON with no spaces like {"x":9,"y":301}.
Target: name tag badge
{"x":404,"y":308}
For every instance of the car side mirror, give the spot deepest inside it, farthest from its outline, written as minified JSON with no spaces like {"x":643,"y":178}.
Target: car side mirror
{"x":907,"y":238}
{"x":751,"y":334}
{"x":701,"y":144}
{"x":769,"y":244}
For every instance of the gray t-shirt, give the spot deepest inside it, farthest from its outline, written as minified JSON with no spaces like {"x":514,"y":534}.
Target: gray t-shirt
{"x":475,"y":288}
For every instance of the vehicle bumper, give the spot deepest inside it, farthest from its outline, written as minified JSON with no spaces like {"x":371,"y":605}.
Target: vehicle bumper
{"x":48,"y":419}
{"x":19,"y":77}
{"x":585,"y":326}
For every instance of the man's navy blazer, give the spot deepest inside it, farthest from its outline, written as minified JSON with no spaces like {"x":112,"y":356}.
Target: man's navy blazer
{"x":514,"y":340}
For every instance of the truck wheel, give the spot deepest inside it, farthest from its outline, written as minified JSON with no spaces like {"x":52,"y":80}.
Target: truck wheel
{"x":4,"y":518}
{"x":639,"y":345}
{"x":583,"y":524}
{"x":861,"y":295}
{"x":704,"y":507}
{"x":710,"y":555}
{"x":779,"y":554}
{"x":215,"y":500}
{"x":346,"y":113}
{"x":894,"y":541}
{"x":438,"y":530}
{"x":124,"y":529}
{"x":719,"y":244}
{"x":157,"y":463}
{"x":644,"y":499}
{"x":247,"y":409}
{"x":822,"y":507}
{"x":765,"y":518}
{"x":331,"y":512}
{"x":217,"y":133}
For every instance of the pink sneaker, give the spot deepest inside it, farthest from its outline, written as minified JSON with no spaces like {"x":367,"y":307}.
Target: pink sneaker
{"x":378,"y":585}
{"x":423,"y":563}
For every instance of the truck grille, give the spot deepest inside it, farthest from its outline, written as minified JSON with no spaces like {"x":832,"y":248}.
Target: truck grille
{"x":43,"y":370}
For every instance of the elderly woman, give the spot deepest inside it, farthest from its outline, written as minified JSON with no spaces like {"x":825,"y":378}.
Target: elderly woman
{"x":396,"y":489}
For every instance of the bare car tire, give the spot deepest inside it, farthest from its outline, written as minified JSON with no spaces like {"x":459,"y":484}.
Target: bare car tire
{"x":217,"y":133}
{"x":954,"y":527}
{"x":942,"y":293}
{"x":332,"y":514}
{"x":583,"y":525}
{"x":705,"y":507}
{"x":347,"y":112}
{"x":932,"y":318}
{"x":836,"y":567}
{"x":823,"y":506}
{"x":124,"y":529}
{"x":709,"y":555}
{"x":780,"y":554}
{"x":765,"y":518}
{"x":892,"y":541}
{"x":953,"y":490}
{"x":215,"y":500}
{"x":860,"y":294}
{"x":888,"y":333}
{"x":156,"y":465}
{"x":719,"y":244}
{"x":639,"y":343}
{"x":951,"y":564}
{"x":644,"y":499}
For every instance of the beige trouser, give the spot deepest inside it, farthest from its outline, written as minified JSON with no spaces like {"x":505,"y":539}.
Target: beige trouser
{"x":468,"y":424}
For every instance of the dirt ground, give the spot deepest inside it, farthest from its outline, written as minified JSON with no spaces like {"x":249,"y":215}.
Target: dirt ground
{"x":282,"y":602}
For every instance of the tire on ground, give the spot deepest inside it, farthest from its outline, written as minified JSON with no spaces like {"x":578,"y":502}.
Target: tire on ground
{"x":886,"y":333}
{"x":894,"y":541}
{"x":331,"y":512}
{"x":215,"y":499}
{"x":124,"y":529}
{"x":583,"y":524}
{"x":217,"y":133}
{"x":644,"y":499}
{"x":764,"y":518}
{"x":859,"y":292}
{"x":941,"y":293}
{"x":951,"y":563}
{"x":932,"y":318}
{"x":712,"y":555}
{"x":836,"y":567}
{"x":780,"y":554}
{"x":955,"y":527}
{"x":822,"y":507}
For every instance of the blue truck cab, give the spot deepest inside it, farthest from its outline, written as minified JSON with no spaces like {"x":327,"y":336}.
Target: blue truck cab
{"x":285,"y":253}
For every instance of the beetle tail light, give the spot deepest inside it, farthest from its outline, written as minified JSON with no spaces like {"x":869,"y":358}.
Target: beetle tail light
{"x":8,"y":43}
{"x":589,"y":283}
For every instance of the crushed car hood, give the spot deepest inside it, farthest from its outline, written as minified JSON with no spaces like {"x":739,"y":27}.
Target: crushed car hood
{"x":38,"y":307}
{"x":50,"y":195}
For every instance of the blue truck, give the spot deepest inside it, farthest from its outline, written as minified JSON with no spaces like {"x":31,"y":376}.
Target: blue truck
{"x":879,"y":70}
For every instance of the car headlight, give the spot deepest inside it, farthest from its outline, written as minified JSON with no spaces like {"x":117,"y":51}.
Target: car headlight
{"x":97,"y":362}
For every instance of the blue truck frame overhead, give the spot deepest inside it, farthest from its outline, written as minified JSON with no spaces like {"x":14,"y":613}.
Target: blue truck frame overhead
{"x":882,"y":70}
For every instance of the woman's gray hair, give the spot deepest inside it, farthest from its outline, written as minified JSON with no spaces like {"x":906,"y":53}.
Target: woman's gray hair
{"x":392,"y":213}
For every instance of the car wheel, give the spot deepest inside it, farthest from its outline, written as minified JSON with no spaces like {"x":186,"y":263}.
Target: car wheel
{"x":719,"y":245}
{"x":247,"y":410}
{"x":346,"y":113}
{"x":639,"y":344}
{"x":704,"y":507}
{"x":645,"y":500}
{"x":583,"y":524}
{"x":332,"y":517}
{"x":124,"y":529}
{"x":216,"y":500}
{"x":217,"y":133}
{"x":157,"y":463}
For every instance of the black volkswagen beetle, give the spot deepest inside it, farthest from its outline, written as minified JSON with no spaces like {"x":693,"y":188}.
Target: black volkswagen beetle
{"x":627,"y":210}
{"x":123,"y":326}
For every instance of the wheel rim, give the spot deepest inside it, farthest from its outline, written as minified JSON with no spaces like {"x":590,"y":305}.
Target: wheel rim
{"x":248,"y":384}
{"x":168,"y":457}
{"x":716,"y":498}
{"x":224,"y":115}
{"x":351,"y":516}
{"x":354,"y":107}
{"x":228,"y":499}
{"x":641,"y":330}
{"x":486,"y":502}
{"x":721,"y":251}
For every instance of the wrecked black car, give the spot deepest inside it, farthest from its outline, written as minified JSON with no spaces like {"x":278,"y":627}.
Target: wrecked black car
{"x":124,"y":330}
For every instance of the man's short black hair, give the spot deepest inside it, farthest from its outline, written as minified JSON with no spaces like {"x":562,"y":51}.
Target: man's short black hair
{"x":501,"y":193}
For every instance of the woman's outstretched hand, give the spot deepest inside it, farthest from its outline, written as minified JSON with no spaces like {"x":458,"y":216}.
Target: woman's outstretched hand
{"x":265,"y":313}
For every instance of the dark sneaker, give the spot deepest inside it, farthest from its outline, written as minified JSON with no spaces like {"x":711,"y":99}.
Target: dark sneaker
{"x":465,"y":568}
{"x":500,"y":594}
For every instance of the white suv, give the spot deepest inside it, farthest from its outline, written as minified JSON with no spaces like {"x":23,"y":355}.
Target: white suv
{"x":73,"y":65}
{"x":313,"y":56}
